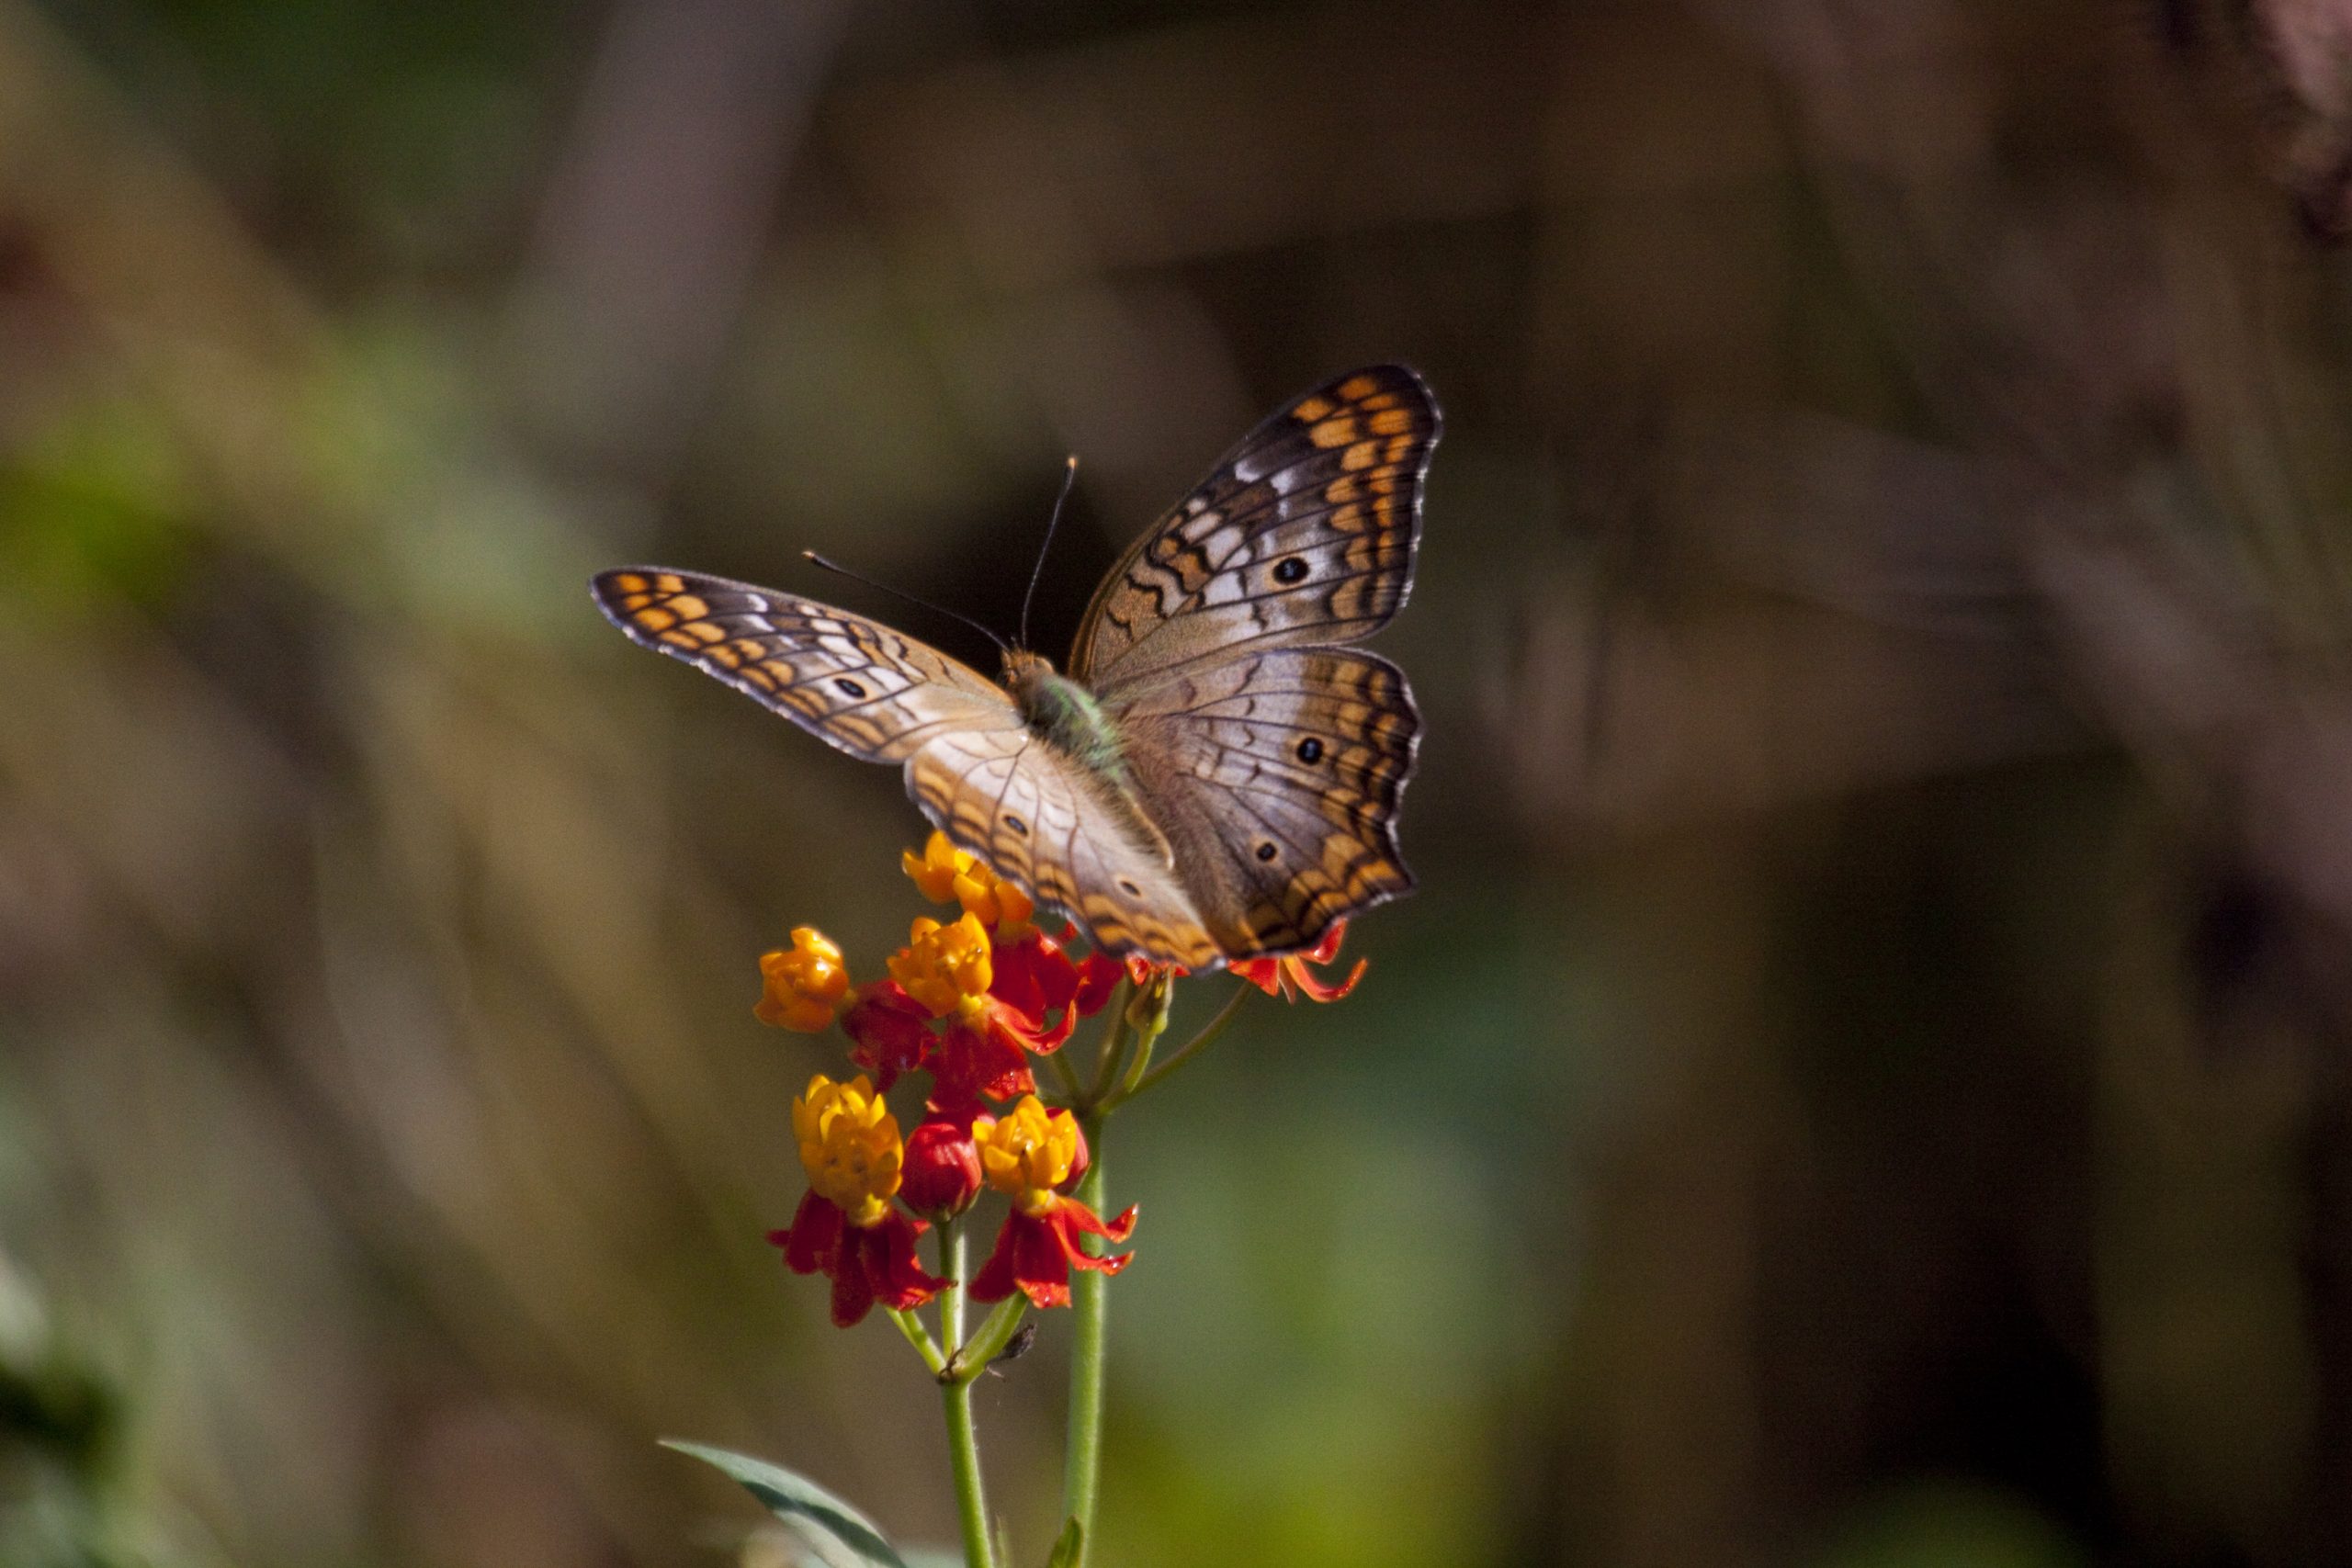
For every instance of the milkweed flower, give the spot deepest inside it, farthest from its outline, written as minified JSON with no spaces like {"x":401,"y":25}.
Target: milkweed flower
{"x":970,"y":1063}
{"x":1292,"y":975}
{"x":801,"y":985}
{"x":1032,"y":1154}
{"x":846,"y":1227}
{"x":947,"y":968}
{"x":949,"y":875}
{"x":1035,"y":975}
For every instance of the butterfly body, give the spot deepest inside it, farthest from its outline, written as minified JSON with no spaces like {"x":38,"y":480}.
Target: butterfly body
{"x":1064,"y":713}
{"x":1217,"y":774}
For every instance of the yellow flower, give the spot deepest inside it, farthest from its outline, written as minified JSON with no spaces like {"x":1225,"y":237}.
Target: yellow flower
{"x":1029,"y":1152}
{"x":946,"y":968}
{"x":948,"y":875}
{"x":801,"y":985}
{"x":935,"y":870}
{"x":850,"y":1146}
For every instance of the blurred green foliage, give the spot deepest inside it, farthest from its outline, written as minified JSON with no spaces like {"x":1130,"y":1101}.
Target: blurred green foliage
{"x":1860,"y":1084}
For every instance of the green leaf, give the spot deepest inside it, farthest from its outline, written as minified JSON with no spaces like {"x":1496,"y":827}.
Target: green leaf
{"x":829,"y":1524}
{"x":1070,"y":1547}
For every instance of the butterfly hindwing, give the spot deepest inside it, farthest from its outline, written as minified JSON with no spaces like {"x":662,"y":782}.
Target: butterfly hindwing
{"x":1036,"y":816}
{"x":1305,"y":534}
{"x":854,"y":683}
{"x":1277,"y":776}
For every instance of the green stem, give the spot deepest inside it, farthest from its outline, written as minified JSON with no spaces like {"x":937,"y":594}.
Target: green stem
{"x":1115,"y":1040}
{"x":1189,"y":1049}
{"x":919,"y":1336}
{"x":1090,"y":1304}
{"x":1063,"y":1076}
{"x":988,"y":1341}
{"x":963,"y":1443}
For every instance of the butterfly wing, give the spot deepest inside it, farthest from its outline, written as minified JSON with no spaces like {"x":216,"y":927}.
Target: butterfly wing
{"x":971,"y":763}
{"x":1276,"y":775}
{"x":1038,"y":817}
{"x":1272,"y":759}
{"x":853,"y":683}
{"x":1304,"y":534}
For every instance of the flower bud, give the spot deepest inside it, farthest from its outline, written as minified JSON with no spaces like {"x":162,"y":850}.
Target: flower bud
{"x":942,"y":1171}
{"x":1148,"y":1010}
{"x":801,"y":985}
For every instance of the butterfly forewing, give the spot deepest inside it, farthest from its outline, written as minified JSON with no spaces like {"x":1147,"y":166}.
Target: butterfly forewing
{"x":1304,"y":534}
{"x":854,"y":683}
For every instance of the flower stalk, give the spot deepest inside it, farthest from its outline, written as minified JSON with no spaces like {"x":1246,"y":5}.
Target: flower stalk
{"x":956,"y":1394}
{"x":1139,"y":1080}
{"x":1090,"y":1339}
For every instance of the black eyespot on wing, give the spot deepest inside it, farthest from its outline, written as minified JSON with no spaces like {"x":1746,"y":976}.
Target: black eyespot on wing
{"x":1266,"y":851}
{"x":848,"y":687}
{"x":1310,"y":750}
{"x":1017,"y":825}
{"x":1129,"y":888}
{"x":1290,"y":569}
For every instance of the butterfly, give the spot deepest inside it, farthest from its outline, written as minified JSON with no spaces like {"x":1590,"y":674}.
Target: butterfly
{"x":1216,"y":777}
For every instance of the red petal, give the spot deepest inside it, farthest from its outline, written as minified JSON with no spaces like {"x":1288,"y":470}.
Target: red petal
{"x":892,"y":1031}
{"x":1328,"y":948}
{"x":1034,"y":974}
{"x":1263,"y":972}
{"x":1041,"y":1262}
{"x":995,"y":1281}
{"x":1098,"y":979}
{"x":1022,"y":1035}
{"x":852,"y":1294}
{"x":813,"y":1244}
{"x":1318,"y":991}
{"x":1069,"y":1219}
{"x":967,"y":1064}
{"x":888,"y":1254}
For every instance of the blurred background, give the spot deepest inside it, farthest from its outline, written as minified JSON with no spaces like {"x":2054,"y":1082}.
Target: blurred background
{"x":1864,"y":1082}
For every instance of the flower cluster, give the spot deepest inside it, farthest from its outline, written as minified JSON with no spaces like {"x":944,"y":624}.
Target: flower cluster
{"x":968,"y":1001}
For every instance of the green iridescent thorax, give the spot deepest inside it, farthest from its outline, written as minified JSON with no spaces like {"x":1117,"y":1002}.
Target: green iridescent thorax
{"x":1065,"y":713}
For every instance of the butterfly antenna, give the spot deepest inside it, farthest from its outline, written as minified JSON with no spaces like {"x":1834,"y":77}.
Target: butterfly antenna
{"x":816,"y":559}
{"x":1070,"y":477}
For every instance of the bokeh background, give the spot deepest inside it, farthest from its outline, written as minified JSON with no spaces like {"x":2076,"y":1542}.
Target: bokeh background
{"x":1864,"y":1082}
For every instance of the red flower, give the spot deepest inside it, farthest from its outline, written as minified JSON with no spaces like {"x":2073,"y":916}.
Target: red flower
{"x":1035,"y":1253}
{"x":890,"y":1029}
{"x":1035,"y":974}
{"x":973,"y":1062}
{"x":1031,"y":1154}
{"x":941,"y":1173}
{"x":867,"y":1264}
{"x":1289,"y":975}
